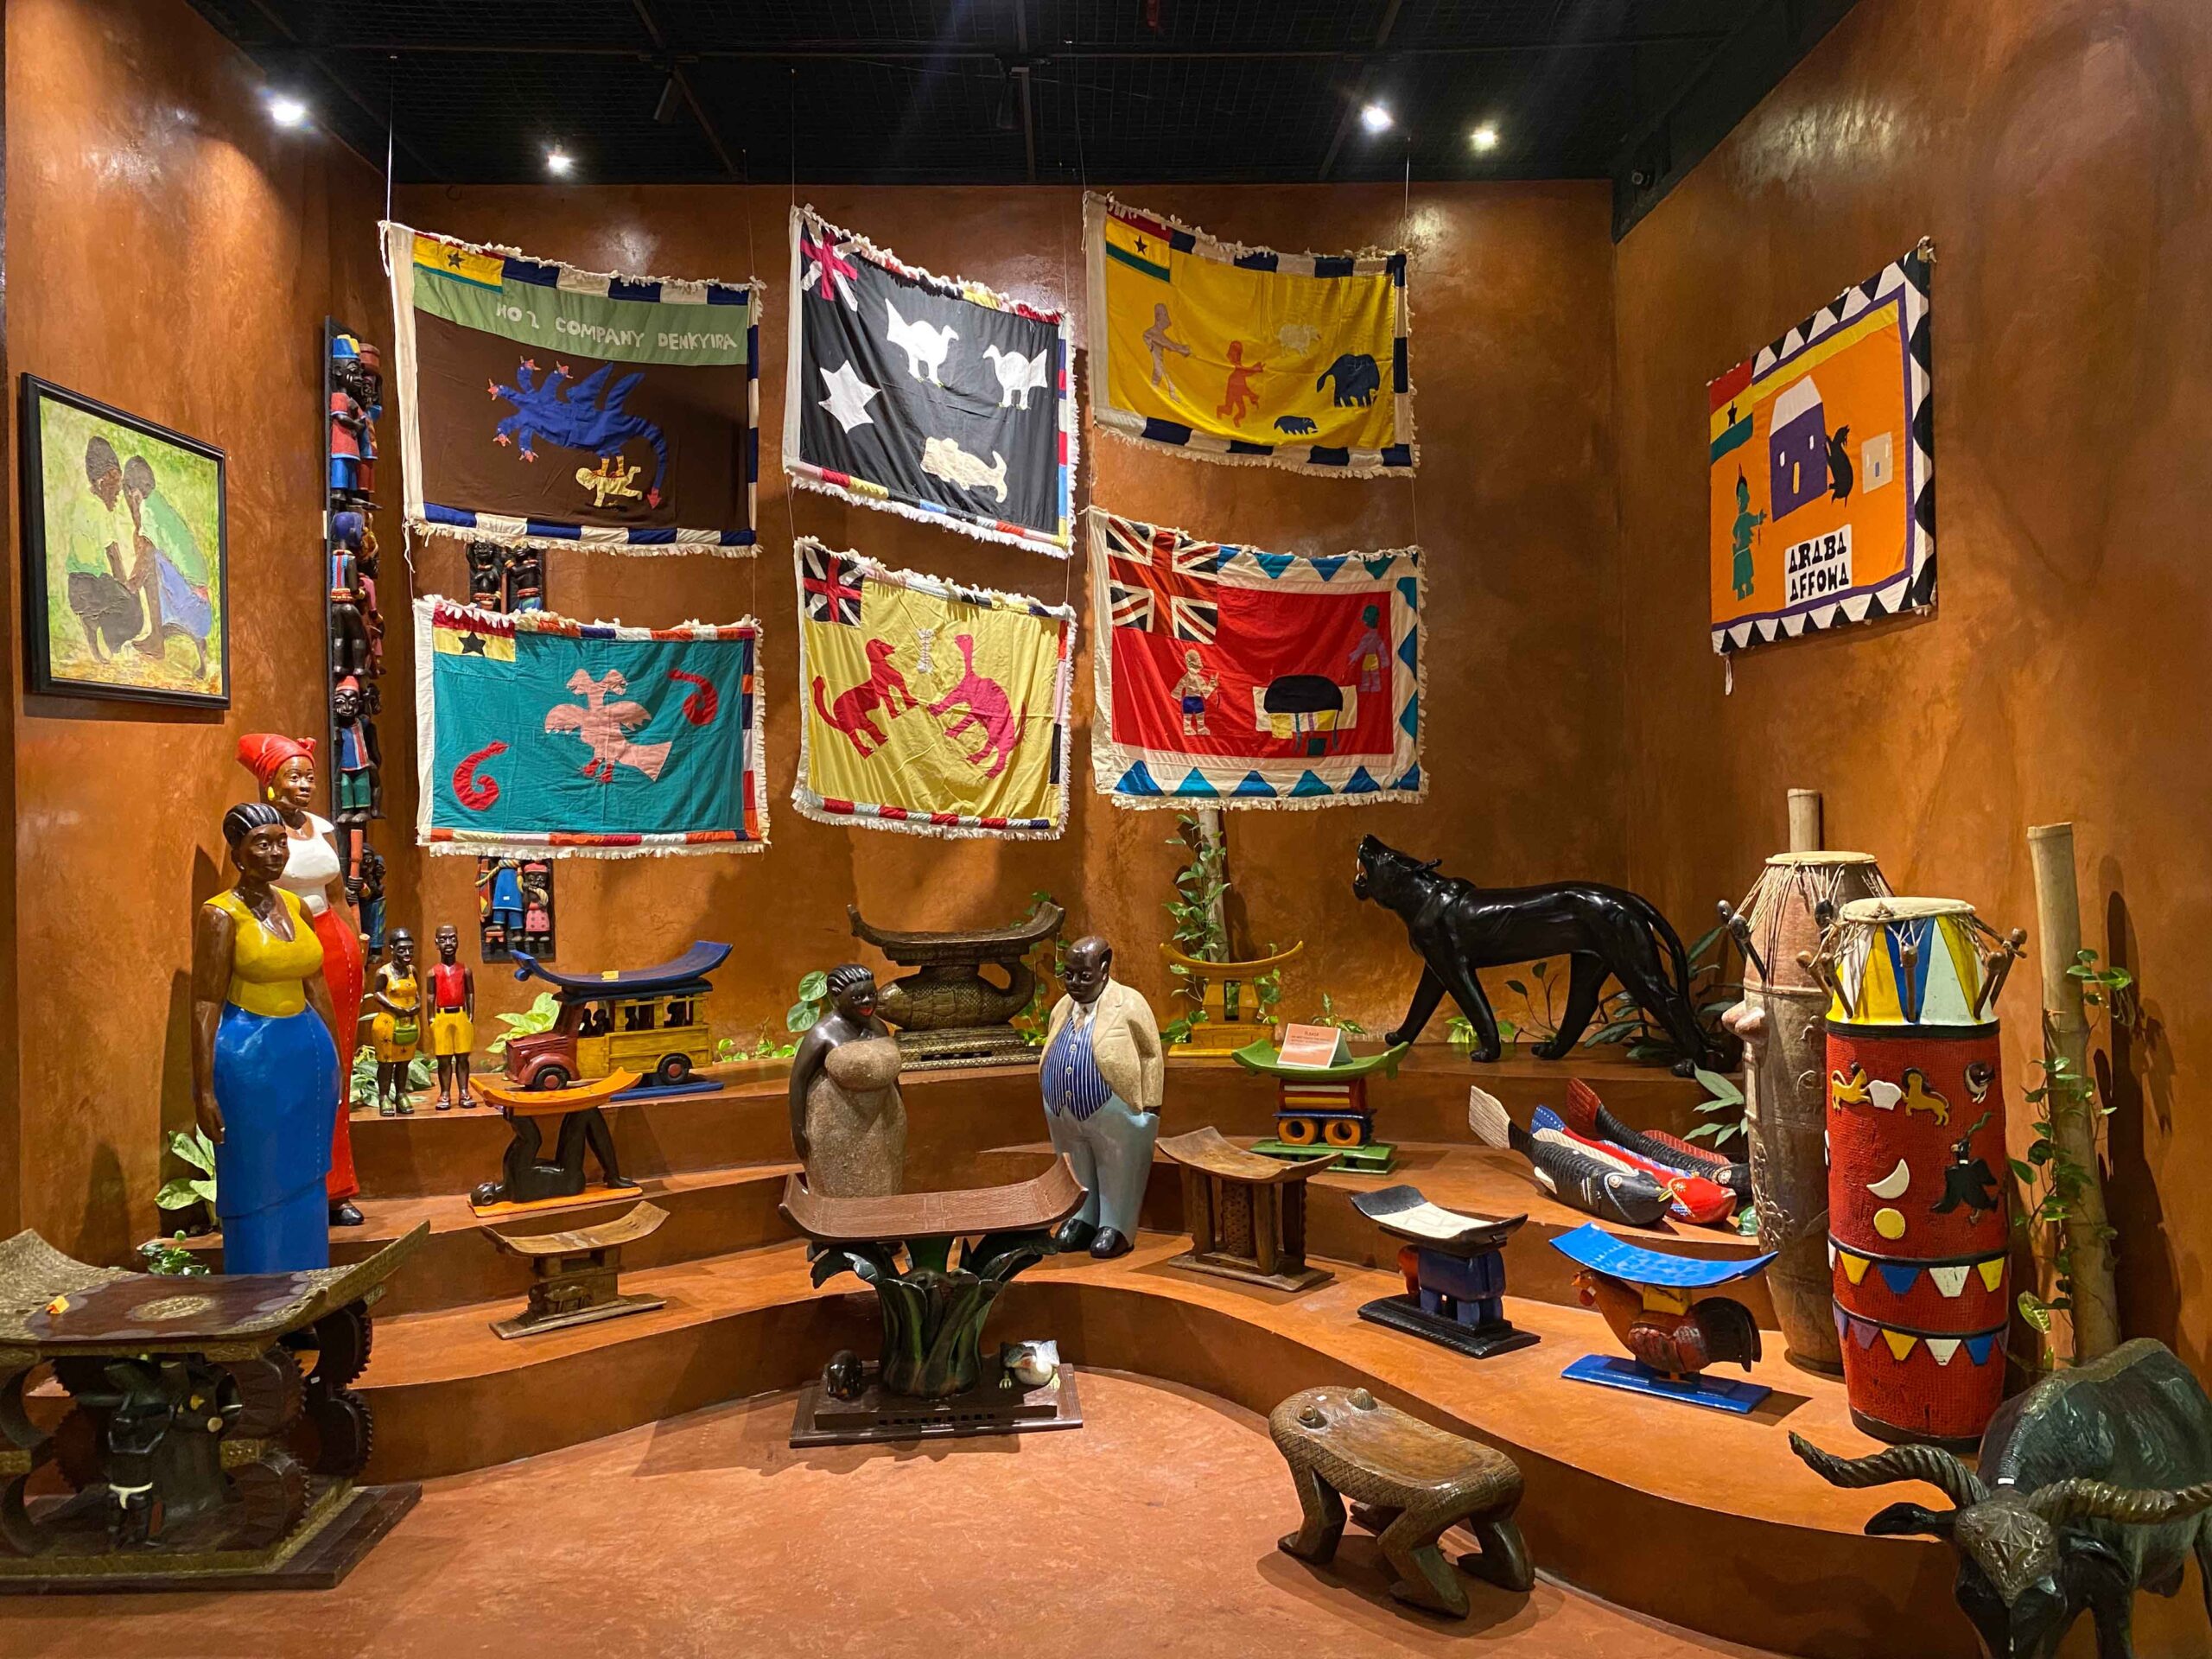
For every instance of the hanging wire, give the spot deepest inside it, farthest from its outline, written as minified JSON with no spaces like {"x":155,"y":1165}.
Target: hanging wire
{"x":791,"y":113}
{"x":1405,"y":224}
{"x":1083,"y":184}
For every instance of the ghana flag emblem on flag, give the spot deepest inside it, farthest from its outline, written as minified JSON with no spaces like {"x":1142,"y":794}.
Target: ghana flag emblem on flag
{"x":1138,"y":243}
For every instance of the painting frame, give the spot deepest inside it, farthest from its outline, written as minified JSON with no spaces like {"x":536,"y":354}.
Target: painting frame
{"x":34,"y":396}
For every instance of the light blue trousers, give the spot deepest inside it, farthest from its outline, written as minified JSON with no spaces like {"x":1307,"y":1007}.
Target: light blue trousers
{"x":1111,"y":1154}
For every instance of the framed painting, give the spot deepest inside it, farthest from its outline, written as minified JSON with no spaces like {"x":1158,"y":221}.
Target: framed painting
{"x":126,"y":564}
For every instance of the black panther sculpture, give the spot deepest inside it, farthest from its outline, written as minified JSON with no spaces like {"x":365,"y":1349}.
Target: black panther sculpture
{"x":1457,"y":927}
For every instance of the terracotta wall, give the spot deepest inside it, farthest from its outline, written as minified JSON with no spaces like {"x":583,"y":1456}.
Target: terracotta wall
{"x":2055,"y":154}
{"x":1512,"y":362}
{"x":171,"y":254}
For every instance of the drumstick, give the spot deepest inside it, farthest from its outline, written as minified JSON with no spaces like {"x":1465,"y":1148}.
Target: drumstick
{"x":2000,"y":966}
{"x":1824,"y":970}
{"x":1908,"y":1000}
{"x":1740,"y":929}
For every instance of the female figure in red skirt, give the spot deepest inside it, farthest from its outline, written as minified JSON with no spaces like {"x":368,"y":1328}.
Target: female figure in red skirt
{"x":284,"y":767}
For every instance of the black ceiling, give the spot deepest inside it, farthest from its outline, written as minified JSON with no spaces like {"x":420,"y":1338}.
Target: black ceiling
{"x":1007,"y":91}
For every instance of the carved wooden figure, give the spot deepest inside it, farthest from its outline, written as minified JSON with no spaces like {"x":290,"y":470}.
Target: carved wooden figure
{"x":1458,"y":928}
{"x":2095,"y":1484}
{"x":1407,"y":1482}
{"x":1246,"y":1213}
{"x":196,"y":1450}
{"x":1454,"y":1268}
{"x":576,"y":1275}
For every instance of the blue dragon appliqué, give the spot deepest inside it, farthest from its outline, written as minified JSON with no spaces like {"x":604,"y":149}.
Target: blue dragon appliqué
{"x":578,"y":416}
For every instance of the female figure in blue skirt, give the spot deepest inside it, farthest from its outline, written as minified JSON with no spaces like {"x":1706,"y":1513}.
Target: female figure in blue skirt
{"x":264,"y":1056}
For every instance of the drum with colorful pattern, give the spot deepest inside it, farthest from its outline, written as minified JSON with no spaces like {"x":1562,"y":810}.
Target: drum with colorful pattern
{"x":1919,"y":1204}
{"x":1785,"y":1082}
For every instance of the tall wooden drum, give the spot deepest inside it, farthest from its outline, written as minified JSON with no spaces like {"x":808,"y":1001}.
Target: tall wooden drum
{"x":1785,"y":1082}
{"x":1918,"y":1206}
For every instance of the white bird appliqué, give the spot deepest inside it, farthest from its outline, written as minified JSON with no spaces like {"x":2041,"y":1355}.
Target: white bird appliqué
{"x":1018,"y":376}
{"x":922,"y":341}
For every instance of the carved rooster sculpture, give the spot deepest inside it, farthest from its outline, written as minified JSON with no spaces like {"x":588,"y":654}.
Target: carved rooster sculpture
{"x":1663,"y":1329}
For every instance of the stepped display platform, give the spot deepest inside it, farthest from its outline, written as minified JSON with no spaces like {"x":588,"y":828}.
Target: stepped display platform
{"x":747,"y":1119}
{"x":1474,"y":1180}
{"x":1704,"y":1521}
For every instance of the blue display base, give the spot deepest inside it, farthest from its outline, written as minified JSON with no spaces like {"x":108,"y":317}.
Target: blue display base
{"x":1713,"y":1393}
{"x":660,"y":1090}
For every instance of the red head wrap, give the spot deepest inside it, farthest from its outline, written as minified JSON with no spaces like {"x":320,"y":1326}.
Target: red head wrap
{"x":263,"y":753}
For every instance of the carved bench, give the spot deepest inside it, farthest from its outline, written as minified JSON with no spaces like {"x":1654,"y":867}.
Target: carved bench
{"x":1407,"y":1481}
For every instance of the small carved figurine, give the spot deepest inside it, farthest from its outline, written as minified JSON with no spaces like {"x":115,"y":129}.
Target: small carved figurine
{"x":136,"y":1426}
{"x":844,"y":1377}
{"x":1103,"y":1076}
{"x":452,"y":1019}
{"x":348,"y":418}
{"x":525,"y":579}
{"x":397,"y":1024}
{"x":357,"y":756}
{"x":370,"y":393}
{"x":848,"y":1123}
{"x":484,"y":575}
{"x":367,"y":891}
{"x":349,"y":635}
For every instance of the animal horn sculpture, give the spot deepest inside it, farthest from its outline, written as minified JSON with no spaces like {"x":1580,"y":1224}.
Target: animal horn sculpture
{"x":2082,"y":1499}
{"x":1929,"y":1463}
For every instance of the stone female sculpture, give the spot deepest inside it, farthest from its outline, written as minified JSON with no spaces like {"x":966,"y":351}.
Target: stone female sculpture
{"x":849,"y":1124}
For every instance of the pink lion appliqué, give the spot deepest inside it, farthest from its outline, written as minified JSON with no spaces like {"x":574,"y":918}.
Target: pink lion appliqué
{"x":987,"y":707}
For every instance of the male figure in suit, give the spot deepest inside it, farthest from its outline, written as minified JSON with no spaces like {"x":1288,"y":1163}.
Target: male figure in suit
{"x":1102,"y":1076}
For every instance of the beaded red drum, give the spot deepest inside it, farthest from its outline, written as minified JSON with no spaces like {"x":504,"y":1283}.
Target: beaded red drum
{"x":1918,"y":1206}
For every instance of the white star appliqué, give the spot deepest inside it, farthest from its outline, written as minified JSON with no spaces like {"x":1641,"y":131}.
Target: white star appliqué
{"x":848,"y":396}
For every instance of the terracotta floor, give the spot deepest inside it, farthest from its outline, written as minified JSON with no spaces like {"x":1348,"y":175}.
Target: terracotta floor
{"x":1151,"y":1530}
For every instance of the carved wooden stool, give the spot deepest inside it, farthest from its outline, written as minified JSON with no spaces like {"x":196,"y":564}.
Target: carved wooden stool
{"x":576,"y":1275}
{"x":1407,"y":1482}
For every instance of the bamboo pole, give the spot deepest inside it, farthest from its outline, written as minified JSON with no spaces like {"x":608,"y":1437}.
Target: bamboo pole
{"x":2074,"y":1117}
{"x":1804,"y":820}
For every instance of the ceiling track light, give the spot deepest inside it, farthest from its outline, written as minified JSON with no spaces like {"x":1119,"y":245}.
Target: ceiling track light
{"x":1374,"y":117}
{"x":1483,"y":137}
{"x":286,"y":111}
{"x":558,"y":162}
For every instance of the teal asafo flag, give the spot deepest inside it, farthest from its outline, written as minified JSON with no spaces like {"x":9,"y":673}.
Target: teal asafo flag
{"x":540,"y":737}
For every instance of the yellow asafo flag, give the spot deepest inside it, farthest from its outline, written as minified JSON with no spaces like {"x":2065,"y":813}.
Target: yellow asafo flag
{"x":1269,"y":353}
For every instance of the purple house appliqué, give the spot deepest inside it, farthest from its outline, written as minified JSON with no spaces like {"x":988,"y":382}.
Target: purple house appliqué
{"x":1797,"y":448}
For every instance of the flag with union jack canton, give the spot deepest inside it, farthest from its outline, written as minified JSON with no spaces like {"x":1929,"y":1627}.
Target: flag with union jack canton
{"x":930,"y":706}
{"x":1235,"y":677}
